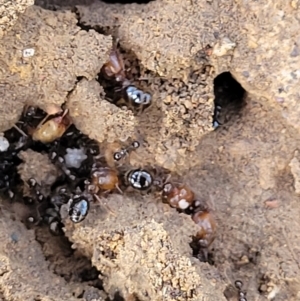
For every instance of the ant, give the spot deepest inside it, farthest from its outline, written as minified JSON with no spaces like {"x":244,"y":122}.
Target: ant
{"x":114,"y":70}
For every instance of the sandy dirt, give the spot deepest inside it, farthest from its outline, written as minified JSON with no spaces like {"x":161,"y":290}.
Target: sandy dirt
{"x":247,"y":171}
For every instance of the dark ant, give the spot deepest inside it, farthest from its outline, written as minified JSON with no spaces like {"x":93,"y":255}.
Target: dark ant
{"x":8,"y":172}
{"x":43,"y":213}
{"x":217,"y":111}
{"x":125,"y":151}
{"x":78,"y":208}
{"x":74,"y":154}
{"x":147,"y":179}
{"x":242,"y":294}
{"x":139,"y":179}
{"x":48,"y":211}
{"x":36,"y":188}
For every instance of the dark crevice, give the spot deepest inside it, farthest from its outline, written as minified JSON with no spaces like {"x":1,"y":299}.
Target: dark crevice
{"x":78,"y":79}
{"x":229,"y":99}
{"x":127,"y":1}
{"x":104,"y":30}
{"x":55,"y":5}
{"x":118,"y":297}
{"x":58,"y":249}
{"x":67,"y":4}
{"x":204,"y":255}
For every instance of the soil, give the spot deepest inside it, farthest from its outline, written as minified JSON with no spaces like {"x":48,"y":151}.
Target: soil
{"x":10,"y":11}
{"x":247,"y":171}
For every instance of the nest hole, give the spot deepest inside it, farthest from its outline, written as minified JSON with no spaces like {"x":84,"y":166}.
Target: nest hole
{"x":229,"y":99}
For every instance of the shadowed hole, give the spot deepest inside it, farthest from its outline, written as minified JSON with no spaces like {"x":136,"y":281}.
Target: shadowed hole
{"x":229,"y":98}
{"x":126,"y":1}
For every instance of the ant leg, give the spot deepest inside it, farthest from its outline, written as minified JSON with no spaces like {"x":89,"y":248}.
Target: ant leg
{"x":104,"y":205}
{"x":203,"y":255}
{"x":25,"y":109}
{"x":59,"y":162}
{"x":20,"y":131}
{"x":36,"y":221}
{"x":43,"y":120}
{"x":168,"y":178}
{"x":119,"y":189}
{"x":65,"y":113}
{"x":35,"y":188}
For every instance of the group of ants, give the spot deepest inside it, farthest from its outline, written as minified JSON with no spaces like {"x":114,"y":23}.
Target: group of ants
{"x":55,"y":132}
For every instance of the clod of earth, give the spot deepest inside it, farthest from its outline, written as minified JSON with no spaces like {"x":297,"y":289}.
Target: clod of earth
{"x":61,"y":56}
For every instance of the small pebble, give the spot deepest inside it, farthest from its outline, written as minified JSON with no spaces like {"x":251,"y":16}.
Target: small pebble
{"x":224,"y":46}
{"x":4,"y":144}
{"x":263,"y":288}
{"x":245,"y":73}
{"x":29,"y":52}
{"x":271,"y":204}
{"x":14,"y":237}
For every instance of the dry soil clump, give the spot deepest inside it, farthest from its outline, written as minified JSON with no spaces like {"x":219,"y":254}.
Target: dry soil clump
{"x":58,"y":56}
{"x":143,"y":248}
{"x":10,"y":11}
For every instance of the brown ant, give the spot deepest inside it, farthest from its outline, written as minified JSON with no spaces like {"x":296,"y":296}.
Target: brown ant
{"x":54,"y":128}
{"x":103,"y":181}
{"x":207,"y":231}
{"x":177,"y":196}
{"x":114,"y":69}
{"x":181,"y":197}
